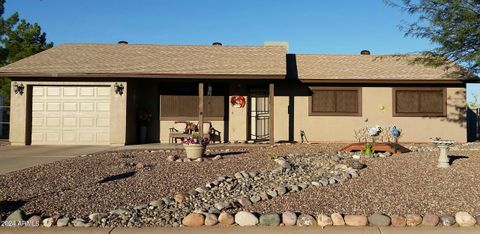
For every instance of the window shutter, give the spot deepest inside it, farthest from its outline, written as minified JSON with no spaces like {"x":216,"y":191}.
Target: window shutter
{"x":323,"y":101}
{"x":347,"y":101}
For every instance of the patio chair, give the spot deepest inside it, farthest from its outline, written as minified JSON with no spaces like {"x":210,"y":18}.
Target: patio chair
{"x":178,"y":131}
{"x":211,"y":133}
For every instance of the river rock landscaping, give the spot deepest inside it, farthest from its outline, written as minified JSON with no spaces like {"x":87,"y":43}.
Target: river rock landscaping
{"x":300,"y":184}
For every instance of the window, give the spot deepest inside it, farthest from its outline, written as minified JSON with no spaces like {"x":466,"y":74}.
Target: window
{"x":419,"y":102}
{"x":180,"y":102}
{"x":335,"y":101}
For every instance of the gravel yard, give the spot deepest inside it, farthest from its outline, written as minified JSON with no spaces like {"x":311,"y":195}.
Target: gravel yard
{"x":400,"y":184}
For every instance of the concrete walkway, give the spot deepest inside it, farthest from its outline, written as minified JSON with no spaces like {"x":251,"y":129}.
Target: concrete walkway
{"x":251,"y":230}
{"x":13,"y":158}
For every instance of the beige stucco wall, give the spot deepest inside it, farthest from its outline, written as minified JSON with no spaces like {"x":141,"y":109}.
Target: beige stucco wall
{"x":281,"y":120}
{"x":414,"y":129}
{"x":20,"y":111}
{"x":165,"y":126}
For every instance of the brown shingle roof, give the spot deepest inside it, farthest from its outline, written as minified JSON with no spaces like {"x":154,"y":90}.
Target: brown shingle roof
{"x":366,"y":67}
{"x":152,"y":60}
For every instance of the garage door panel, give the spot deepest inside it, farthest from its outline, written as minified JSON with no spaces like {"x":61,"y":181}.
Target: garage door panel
{"x":70,"y":92}
{"x":53,"y":91}
{"x":71,"y":115}
{"x":87,"y":106}
{"x":70,"y":106}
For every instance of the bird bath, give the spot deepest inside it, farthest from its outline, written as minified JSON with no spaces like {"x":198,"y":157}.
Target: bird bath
{"x":443,"y":145}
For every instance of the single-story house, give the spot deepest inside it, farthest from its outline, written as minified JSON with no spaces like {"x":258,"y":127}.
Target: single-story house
{"x":117,"y":94}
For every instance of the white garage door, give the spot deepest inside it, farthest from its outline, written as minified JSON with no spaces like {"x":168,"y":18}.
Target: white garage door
{"x":70,"y":115}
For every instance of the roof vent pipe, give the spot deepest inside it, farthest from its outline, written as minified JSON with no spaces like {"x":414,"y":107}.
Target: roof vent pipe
{"x":217,"y":43}
{"x":365,"y":52}
{"x":123,"y":42}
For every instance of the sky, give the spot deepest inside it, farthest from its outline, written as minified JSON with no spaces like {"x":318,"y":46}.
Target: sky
{"x":309,"y":26}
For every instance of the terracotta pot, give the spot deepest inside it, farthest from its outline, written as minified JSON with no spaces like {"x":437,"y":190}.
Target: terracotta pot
{"x":194,"y":151}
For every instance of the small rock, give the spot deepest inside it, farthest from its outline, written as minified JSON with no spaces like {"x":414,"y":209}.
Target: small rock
{"x":272,"y":193}
{"x":464,"y":219}
{"x":238,"y":175}
{"x":356,"y":220}
{"x":156,"y":203}
{"x":337,"y":219}
{"x":281,"y":190}
{"x":193,"y":220}
{"x":96,"y":217}
{"x":355,"y":156}
{"x":210,"y":219}
{"x":80,"y":223}
{"x":180,"y":197}
{"x":398,"y":221}
{"x":226,"y":219}
{"x":244,"y":218}
{"x":255,"y":199}
{"x":332,"y":180}
{"x":295,"y":188}
{"x":34,"y":221}
{"x":221,"y":205}
{"x":305,"y":220}
{"x":478,"y":219}
{"x":120,"y":211}
{"x":413,"y":220}
{"x":244,"y":201}
{"x":324,"y":220}
{"x":324,"y":182}
{"x":379,"y":220}
{"x":140,"y":207}
{"x":63,"y":222}
{"x":48,"y":222}
{"x":315,"y":183}
{"x":284,"y":164}
{"x":303,"y":185}
{"x":140,"y":165}
{"x":270,"y":219}
{"x":264,"y":196}
{"x":430,"y":220}
{"x":171,"y":158}
{"x":199,"y":160}
{"x":289,"y":218}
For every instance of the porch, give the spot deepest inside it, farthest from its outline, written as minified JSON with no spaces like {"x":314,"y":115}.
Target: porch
{"x":166,"y":110}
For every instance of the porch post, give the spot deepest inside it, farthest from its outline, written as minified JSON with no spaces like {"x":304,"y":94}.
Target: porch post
{"x":271,"y":123}
{"x":200,"y":109}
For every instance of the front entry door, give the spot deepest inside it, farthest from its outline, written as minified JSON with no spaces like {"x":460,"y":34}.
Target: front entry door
{"x":259,"y":115}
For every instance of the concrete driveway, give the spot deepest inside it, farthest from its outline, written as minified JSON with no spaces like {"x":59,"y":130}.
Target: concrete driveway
{"x":13,"y":158}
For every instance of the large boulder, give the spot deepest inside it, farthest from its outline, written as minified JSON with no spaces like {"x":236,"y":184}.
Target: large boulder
{"x":356,"y":220}
{"x":289,"y":218}
{"x":270,"y":219}
{"x":379,"y":220}
{"x":226,"y":219}
{"x":464,"y":219}
{"x":194,"y":220}
{"x":305,"y":220}
{"x":244,"y":218}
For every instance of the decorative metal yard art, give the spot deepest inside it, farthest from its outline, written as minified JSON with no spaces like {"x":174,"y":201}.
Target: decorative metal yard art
{"x":377,"y":134}
{"x":378,"y":139}
{"x":443,"y":145}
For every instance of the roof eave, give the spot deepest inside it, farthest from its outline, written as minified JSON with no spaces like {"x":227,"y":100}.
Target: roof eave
{"x":388,"y":81}
{"x":140,"y":75}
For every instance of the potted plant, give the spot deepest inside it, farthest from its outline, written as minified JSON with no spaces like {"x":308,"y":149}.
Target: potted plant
{"x":195,"y":146}
{"x":144,"y":117}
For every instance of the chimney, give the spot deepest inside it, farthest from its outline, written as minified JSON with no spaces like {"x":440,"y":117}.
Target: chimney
{"x":122,"y":42}
{"x":365,"y":52}
{"x":217,"y":43}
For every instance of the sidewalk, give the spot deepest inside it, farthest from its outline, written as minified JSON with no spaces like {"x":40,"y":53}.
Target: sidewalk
{"x":249,"y":230}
